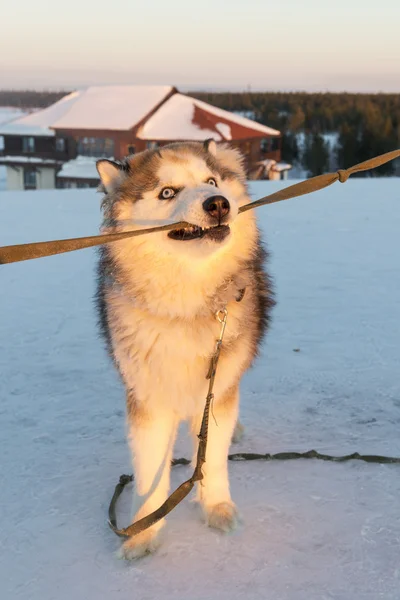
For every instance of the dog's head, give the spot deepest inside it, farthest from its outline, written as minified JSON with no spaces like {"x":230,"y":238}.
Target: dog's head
{"x":200,"y":183}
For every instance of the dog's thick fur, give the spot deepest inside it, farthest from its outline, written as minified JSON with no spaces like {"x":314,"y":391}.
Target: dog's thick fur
{"x":157,"y":298}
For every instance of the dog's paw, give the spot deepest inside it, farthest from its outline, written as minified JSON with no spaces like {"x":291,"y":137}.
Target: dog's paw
{"x":238,"y":433}
{"x":223,"y":516}
{"x":139,"y":545}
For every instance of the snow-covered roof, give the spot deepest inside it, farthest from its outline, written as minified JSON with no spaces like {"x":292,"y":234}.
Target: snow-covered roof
{"x":120,"y":108}
{"x":174,"y":120}
{"x":271,"y":164}
{"x":34,"y":160}
{"x":184,"y":118}
{"x":38,"y":123}
{"x":16,"y":128}
{"x":82,"y":167}
{"x":115,"y":107}
{"x":282,"y":166}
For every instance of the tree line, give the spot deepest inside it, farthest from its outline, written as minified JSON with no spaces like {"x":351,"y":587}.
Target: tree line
{"x":366,"y":124}
{"x":27,"y":99}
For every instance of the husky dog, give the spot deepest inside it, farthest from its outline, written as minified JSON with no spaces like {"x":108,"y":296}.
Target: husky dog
{"x":157,"y":297}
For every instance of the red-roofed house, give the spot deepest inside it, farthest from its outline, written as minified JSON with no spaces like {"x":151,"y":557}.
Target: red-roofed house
{"x":58,"y":146}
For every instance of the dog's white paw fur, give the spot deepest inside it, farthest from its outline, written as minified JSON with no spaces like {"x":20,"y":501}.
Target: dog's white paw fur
{"x":140,"y":545}
{"x":223,"y":516}
{"x":238,"y":433}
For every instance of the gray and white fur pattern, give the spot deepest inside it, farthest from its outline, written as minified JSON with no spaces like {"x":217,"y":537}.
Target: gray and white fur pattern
{"x":157,"y":297}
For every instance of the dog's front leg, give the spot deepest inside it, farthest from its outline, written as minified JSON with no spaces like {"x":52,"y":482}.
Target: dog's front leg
{"x":213,"y":491}
{"x":151,"y":435}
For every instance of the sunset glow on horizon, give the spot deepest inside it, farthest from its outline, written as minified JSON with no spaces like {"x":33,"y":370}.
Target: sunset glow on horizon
{"x":313,"y":46}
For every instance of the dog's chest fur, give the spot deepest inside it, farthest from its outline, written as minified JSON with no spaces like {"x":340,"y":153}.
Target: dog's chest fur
{"x":164,"y":359}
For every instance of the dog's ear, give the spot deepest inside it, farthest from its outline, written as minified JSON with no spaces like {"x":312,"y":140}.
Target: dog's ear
{"x":233,"y":159}
{"x":210,"y":146}
{"x":110,"y":173}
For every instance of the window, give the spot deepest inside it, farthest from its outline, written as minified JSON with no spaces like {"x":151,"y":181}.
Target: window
{"x":266,"y":145}
{"x":152,"y":145}
{"x":275,"y":143}
{"x":96,"y":147}
{"x":60,"y":144}
{"x":29,"y":179}
{"x":28,"y":144}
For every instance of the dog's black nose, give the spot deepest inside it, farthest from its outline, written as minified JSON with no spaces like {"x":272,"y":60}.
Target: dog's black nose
{"x":217,"y":207}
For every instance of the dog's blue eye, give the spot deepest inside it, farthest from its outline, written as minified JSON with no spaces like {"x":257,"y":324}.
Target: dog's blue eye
{"x":167,"y":194}
{"x":212,"y":181}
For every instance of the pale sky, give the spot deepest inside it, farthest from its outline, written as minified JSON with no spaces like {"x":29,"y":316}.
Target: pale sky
{"x":350,"y":45}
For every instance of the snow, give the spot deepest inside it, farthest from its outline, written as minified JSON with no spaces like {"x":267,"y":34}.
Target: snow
{"x":331,"y":140}
{"x":271,"y":164}
{"x":281,"y":166}
{"x":9,"y":113}
{"x":249,"y":114}
{"x":311,"y":530}
{"x":176,"y":115}
{"x":225,"y":130}
{"x":29,"y":159}
{"x":97,"y":107}
{"x":38,"y":122}
{"x":174,"y":121}
{"x":21,"y":127}
{"x":112,"y":107}
{"x":82,"y":167}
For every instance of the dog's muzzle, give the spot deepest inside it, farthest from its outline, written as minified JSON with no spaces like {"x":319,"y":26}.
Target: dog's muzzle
{"x":216,"y":207}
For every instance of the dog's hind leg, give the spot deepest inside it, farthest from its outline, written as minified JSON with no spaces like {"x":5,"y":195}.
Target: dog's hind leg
{"x":151,"y":438}
{"x":213,"y":491}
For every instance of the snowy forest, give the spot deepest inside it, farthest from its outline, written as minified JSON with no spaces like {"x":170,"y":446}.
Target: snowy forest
{"x":317,"y":128}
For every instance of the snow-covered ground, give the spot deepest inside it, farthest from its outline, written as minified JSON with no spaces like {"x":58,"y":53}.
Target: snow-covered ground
{"x":311,"y":530}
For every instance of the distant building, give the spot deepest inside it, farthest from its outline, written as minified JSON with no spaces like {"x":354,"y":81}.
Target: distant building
{"x":58,"y":146}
